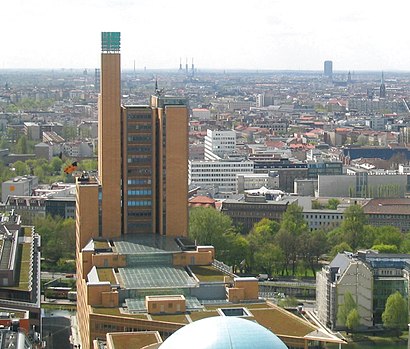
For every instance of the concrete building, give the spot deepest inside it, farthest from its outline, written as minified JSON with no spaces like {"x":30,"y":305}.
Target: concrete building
{"x":32,"y":131}
{"x":369,"y":277}
{"x":56,"y":200}
{"x":341,"y":277}
{"x":77,"y":149}
{"x":252,"y":208}
{"x":44,"y":151}
{"x":256,"y":180}
{"x":221,"y":174}
{"x":88,"y":129}
{"x":21,"y":186}
{"x":305,"y":187}
{"x":323,"y":219}
{"x":393,"y":212}
{"x":218,"y":144}
{"x":201,"y":114}
{"x":20,"y":272}
{"x":362,"y":184}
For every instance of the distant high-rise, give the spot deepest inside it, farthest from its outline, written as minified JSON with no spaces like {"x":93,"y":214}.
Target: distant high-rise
{"x":382,"y":93}
{"x":328,"y":69}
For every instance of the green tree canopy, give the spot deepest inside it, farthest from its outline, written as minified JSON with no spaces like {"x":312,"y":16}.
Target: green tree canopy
{"x":345,"y":309}
{"x":344,"y":246}
{"x":353,"y":319}
{"x":353,"y":226}
{"x":382,"y":248}
{"x":395,"y":315}
{"x":333,"y":203}
{"x":292,"y":227}
{"x":207,"y":226}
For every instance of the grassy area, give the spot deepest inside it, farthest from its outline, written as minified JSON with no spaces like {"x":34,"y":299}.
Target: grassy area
{"x":244,"y":305}
{"x":27,"y":231}
{"x":116,"y":312}
{"x":282,"y":322}
{"x":101,"y":245}
{"x":24,"y":252}
{"x":177,"y":318}
{"x":59,"y":307}
{"x":106,"y":274}
{"x":207,"y":273}
{"x":198,"y":315}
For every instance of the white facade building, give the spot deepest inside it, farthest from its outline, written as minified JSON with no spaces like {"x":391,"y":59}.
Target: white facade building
{"x":18,"y":186}
{"x":221,"y":174}
{"x":219,"y":143}
{"x":256,"y":181}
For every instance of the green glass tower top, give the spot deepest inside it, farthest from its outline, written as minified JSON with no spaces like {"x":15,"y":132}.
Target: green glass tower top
{"x":110,"y":41}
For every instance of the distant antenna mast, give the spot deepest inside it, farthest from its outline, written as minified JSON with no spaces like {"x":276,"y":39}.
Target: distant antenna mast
{"x":158,"y":92}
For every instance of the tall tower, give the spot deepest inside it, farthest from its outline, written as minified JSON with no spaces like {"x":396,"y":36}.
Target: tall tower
{"x":328,"y":69}
{"x":382,"y":93}
{"x":142,"y":183}
{"x":109,"y":135}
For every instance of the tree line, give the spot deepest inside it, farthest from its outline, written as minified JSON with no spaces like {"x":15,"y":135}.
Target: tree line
{"x":289,"y":247}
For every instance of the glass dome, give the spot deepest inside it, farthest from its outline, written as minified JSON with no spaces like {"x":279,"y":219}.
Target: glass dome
{"x":223,"y":332}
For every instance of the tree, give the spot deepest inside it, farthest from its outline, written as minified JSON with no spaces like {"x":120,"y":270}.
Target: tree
{"x":345,"y":309}
{"x":262,"y":234}
{"x":269,"y":258}
{"x":382,"y":248}
{"x":353,"y":226}
{"x":20,"y":168}
{"x":236,"y":249}
{"x":21,"y":146}
{"x":395,"y":315}
{"x":315,"y":244}
{"x":57,"y":237}
{"x":292,"y":227}
{"x":333,"y":203}
{"x":339,"y":249}
{"x":207,"y":226}
{"x":353,"y":320}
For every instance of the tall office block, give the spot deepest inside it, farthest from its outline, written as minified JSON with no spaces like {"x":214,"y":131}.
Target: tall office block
{"x":172,"y":165}
{"x":328,"y":68}
{"x":142,"y":182}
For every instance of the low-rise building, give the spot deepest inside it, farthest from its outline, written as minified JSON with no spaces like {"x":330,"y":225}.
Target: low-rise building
{"x":369,"y":277}
{"x":392,"y":212}
{"x":20,"y":186}
{"x":252,"y":208}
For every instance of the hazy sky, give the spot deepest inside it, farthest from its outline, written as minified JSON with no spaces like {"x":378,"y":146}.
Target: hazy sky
{"x":222,"y":34}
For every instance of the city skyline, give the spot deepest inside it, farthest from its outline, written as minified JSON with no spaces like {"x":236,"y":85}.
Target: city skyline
{"x":269,"y":35}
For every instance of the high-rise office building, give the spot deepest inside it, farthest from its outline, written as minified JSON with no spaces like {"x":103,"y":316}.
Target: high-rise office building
{"x":155,"y":157}
{"x":328,"y":69}
{"x":141,"y":150}
{"x":142,"y":182}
